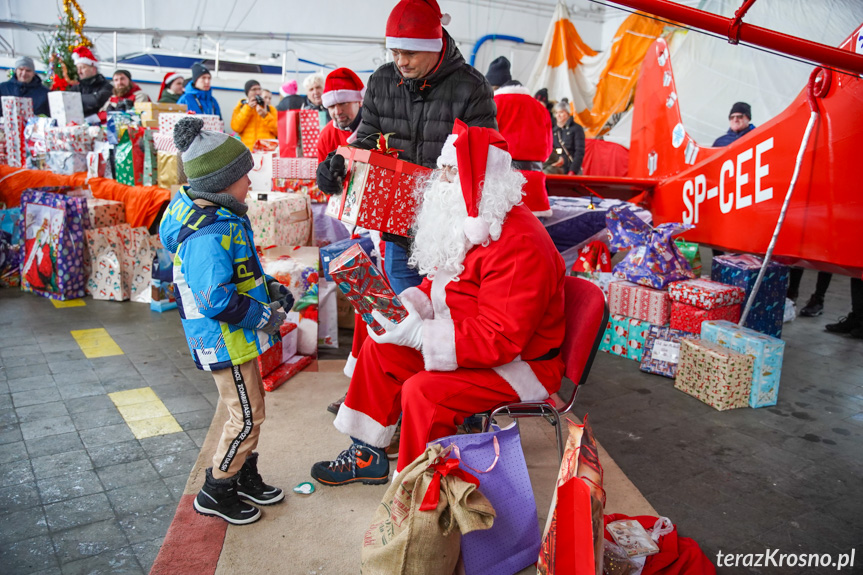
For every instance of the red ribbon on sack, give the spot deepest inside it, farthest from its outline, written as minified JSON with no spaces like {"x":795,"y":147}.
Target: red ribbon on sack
{"x":443,"y":469}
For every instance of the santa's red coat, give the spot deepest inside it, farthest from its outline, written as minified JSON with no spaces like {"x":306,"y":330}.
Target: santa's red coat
{"x":331,"y":138}
{"x":490,"y":327}
{"x":526,"y":126}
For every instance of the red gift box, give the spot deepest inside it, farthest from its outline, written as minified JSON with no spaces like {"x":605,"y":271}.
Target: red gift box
{"x":358,"y":278}
{"x":379,"y":191}
{"x":641,"y":302}
{"x":310,"y":131}
{"x":705,"y":294}
{"x":286,"y":371}
{"x":688,"y":318}
{"x":299,"y":131}
{"x":295,"y":168}
{"x":270,"y":359}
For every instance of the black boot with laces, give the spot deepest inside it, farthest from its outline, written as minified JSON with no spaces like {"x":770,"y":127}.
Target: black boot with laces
{"x":218,"y":497}
{"x":251,"y":486}
{"x":845,"y":324}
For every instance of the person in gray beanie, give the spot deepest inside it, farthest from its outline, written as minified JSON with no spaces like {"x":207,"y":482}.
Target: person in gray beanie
{"x":26,"y":84}
{"x":230,"y":310}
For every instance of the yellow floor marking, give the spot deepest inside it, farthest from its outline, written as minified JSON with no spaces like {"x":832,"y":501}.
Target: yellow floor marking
{"x":96,"y":342}
{"x":144,"y":412}
{"x":68,"y":303}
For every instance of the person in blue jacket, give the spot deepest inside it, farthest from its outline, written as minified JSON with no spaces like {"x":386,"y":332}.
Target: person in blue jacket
{"x":198,"y":97}
{"x":738,"y":120}
{"x":26,"y":84}
{"x":228,"y":307}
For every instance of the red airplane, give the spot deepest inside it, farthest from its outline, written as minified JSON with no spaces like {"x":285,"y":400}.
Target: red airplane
{"x":734,"y":195}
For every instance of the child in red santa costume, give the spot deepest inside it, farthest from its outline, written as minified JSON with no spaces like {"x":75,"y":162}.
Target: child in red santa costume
{"x":485,"y":327}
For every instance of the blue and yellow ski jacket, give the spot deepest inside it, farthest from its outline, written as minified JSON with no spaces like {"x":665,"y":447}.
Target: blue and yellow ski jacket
{"x":220,"y":286}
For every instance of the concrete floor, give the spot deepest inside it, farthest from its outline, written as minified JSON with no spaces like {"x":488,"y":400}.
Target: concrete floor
{"x":80,"y":494}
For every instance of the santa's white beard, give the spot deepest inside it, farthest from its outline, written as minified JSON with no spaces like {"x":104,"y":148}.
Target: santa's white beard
{"x":440,"y":244}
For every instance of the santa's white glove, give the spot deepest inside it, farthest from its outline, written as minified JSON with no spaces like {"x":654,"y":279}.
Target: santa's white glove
{"x":408,"y":333}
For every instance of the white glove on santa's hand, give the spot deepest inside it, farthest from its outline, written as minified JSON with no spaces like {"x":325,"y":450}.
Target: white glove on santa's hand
{"x":409,"y":332}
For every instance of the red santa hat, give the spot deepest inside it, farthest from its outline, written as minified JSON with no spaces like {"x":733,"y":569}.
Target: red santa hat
{"x":342,"y":85}
{"x":83,"y":55}
{"x":415,"y":25}
{"x":167,"y":81}
{"x":479,"y":154}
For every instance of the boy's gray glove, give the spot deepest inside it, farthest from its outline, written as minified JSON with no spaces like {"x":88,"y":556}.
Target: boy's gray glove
{"x":277,"y":318}
{"x":281,"y":294}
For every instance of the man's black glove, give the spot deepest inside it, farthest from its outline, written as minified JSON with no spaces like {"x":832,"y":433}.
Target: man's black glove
{"x":331,"y":174}
{"x":281,"y":294}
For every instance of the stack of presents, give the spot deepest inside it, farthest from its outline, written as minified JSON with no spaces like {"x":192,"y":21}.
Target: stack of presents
{"x":685,"y":327}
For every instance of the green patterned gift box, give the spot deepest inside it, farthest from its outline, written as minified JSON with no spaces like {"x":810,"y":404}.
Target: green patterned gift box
{"x":624,"y":336}
{"x":718,"y":376}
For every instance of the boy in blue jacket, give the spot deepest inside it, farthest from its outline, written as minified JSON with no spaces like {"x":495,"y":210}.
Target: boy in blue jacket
{"x":228,"y":306}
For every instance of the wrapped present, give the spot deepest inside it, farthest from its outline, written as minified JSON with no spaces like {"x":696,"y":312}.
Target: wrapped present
{"x":305,"y":187}
{"x":117,"y":122}
{"x":66,"y":107}
{"x":379,"y":191}
{"x":95,"y":165}
{"x":129,"y":157}
{"x":769,"y":305}
{"x":150,"y":111}
{"x":688,"y":318}
{"x":334,"y":250}
{"x":286,"y":371}
{"x":705,"y":294}
{"x":107,"y":280}
{"x":640,"y":302}
{"x":662,"y":350}
{"x":766,"y":351}
{"x":295,"y":168}
{"x":53,"y":225}
{"x":167,"y":121}
{"x":298,"y":268}
{"x":139,"y":251}
{"x":162,"y":296}
{"x":68,"y":139}
{"x":692,"y":254}
{"x":164,"y":143}
{"x":328,"y":316}
{"x":270,"y":359}
{"x":716,"y":375}
{"x":16,"y":112}
{"x":311,"y":124}
{"x":10,"y":261}
{"x":653,"y":259}
{"x":35,"y":141}
{"x":167,"y":169}
{"x":66,"y":163}
{"x":624,"y":336}
{"x":10,"y":223}
{"x":280,"y":219}
{"x":365,"y":287}
{"x":593,"y":257}
{"x":262,"y":171}
{"x":150,"y":166}
{"x":105,"y":213}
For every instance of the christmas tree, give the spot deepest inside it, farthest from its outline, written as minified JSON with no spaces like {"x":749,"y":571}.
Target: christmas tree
{"x":56,"y":49}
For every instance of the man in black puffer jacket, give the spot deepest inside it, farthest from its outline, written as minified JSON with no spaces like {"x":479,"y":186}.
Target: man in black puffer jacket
{"x":416,"y":98}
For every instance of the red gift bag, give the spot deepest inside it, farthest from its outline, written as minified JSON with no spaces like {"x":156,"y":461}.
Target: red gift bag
{"x":288,"y":124}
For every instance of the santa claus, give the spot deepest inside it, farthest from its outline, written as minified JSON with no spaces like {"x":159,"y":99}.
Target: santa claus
{"x":485,"y":326}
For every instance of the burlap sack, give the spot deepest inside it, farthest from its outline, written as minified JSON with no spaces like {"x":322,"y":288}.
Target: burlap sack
{"x":403,"y":540}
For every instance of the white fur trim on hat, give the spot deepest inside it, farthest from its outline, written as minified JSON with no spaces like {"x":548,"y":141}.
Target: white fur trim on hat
{"x":447,"y":154}
{"x":334,"y":97}
{"x":499,"y":162}
{"x":170,"y":79}
{"x":415,"y":44}
{"x":79,"y":60}
{"x":476,"y":230}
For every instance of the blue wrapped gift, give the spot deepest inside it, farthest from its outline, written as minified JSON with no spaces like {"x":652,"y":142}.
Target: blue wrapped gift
{"x":9,"y":223}
{"x":624,"y":336}
{"x":766,"y":350}
{"x":769,"y":305}
{"x":662,"y":350}
{"x":334,"y":250}
{"x":654,"y":260}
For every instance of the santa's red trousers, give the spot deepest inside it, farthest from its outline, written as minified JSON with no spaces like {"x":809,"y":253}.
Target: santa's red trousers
{"x":390,"y":380}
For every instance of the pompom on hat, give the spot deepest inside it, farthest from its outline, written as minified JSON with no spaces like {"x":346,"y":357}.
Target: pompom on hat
{"x":289,"y":88}
{"x":479,"y":154}
{"x":342,"y":85}
{"x":83,"y":55}
{"x":416,"y":26}
{"x":169,"y":79}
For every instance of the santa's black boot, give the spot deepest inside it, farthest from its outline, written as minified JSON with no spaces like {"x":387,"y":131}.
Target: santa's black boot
{"x":251,"y":486}
{"x":218,"y":497}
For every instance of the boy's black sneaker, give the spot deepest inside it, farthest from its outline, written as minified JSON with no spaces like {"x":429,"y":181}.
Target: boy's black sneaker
{"x":357,"y":464}
{"x":814,"y":308}
{"x":251,"y":486}
{"x":846,"y":324}
{"x":218,"y":497}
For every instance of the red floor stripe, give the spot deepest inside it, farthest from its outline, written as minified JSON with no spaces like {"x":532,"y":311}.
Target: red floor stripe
{"x":193,"y":543}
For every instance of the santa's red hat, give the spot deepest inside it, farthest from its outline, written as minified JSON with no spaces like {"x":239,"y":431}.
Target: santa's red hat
{"x":415,"y":26}
{"x":83,"y":55}
{"x":342,"y":85}
{"x":479,"y":154}
{"x":167,"y":81}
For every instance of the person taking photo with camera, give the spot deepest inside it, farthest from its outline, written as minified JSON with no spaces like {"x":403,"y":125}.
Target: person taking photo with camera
{"x":253,"y":119}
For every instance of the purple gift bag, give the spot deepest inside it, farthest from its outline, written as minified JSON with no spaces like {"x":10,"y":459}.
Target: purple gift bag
{"x":52,"y":239}
{"x":513,"y":541}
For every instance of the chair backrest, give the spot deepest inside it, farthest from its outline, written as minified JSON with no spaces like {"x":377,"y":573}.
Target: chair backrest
{"x":586,"y":320}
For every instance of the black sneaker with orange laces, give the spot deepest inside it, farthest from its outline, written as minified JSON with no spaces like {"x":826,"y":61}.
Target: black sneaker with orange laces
{"x":360,"y":463}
